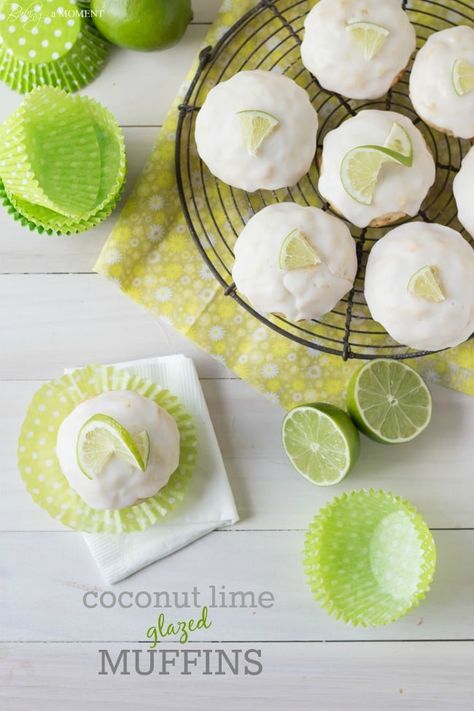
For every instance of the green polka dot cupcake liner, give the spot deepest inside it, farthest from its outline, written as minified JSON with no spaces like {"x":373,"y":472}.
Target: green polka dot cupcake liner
{"x":369,"y":558}
{"x":44,"y":221}
{"x":62,"y":161}
{"x":49,"y":43}
{"x":39,"y":466}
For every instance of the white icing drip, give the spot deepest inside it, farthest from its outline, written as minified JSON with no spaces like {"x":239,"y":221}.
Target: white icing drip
{"x":463,"y":189}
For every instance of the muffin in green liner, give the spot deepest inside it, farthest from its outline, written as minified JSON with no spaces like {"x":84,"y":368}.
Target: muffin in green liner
{"x":49,"y":43}
{"x":39,"y":465}
{"x":62,"y":161}
{"x":369,"y":557}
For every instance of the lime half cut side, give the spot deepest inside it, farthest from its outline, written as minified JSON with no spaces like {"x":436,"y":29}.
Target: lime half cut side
{"x":297,"y":252}
{"x":426,"y":284}
{"x":256,"y":127}
{"x":368,"y":36}
{"x":321,"y":442}
{"x":389,"y":401}
{"x":463,"y":77}
{"x":399,"y":141}
{"x":360,"y":170}
{"x":101,"y":438}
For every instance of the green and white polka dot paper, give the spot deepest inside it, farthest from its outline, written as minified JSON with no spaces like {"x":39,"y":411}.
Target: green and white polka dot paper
{"x":62,"y":162}
{"x":369,"y":557}
{"x":39,"y":466}
{"x":48,"y":42}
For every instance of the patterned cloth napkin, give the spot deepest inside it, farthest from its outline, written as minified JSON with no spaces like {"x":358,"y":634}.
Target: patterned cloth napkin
{"x":151,"y":256}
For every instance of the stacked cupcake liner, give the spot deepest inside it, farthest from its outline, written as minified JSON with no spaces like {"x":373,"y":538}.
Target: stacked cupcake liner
{"x":369,"y":557}
{"x":62,"y":162}
{"x":39,"y":466}
{"x":50,"y":43}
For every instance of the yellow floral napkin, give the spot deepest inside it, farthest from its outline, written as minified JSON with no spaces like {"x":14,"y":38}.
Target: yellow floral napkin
{"x":152,"y":258}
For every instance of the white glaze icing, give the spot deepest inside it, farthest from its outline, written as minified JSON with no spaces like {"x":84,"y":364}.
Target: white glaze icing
{"x":301,"y":293}
{"x":463,"y":189}
{"x":331,"y":54}
{"x":120,"y":484}
{"x":284,"y":157}
{"x":431,"y":85}
{"x":399,"y":189}
{"x":409,"y":319}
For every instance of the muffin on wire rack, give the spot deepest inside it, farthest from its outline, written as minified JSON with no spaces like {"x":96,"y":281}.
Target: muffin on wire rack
{"x":49,"y":43}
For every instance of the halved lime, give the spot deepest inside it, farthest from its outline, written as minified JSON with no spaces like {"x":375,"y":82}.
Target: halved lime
{"x":321,"y":442}
{"x":297,"y":252}
{"x":368,"y":36}
{"x":102,"y":437}
{"x":256,"y":127}
{"x":463,"y":77}
{"x":426,"y":284}
{"x":399,"y":141}
{"x":360,"y":169}
{"x":389,"y":401}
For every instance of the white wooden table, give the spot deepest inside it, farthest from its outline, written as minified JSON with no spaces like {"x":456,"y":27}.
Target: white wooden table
{"x":55,"y":312}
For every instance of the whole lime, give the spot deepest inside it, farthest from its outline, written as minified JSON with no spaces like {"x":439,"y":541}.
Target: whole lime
{"x":142,"y":25}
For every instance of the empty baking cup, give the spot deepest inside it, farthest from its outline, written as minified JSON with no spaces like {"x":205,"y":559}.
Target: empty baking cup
{"x":39,"y":466}
{"x":62,"y":161}
{"x":369,"y":557}
{"x":49,"y":43}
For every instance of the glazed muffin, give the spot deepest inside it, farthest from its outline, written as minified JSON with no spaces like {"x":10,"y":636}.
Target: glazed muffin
{"x":419,"y":285}
{"x":442,"y":81}
{"x":145,"y":456}
{"x":357,"y":48}
{"x":361,"y":176}
{"x":257,"y":131}
{"x":294,"y":261}
{"x":463,"y":189}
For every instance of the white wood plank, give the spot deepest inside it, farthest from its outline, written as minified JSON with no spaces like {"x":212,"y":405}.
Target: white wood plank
{"x":23,"y":251}
{"x":138,"y":87}
{"x":327,"y":677}
{"x":49,"y":322}
{"x":49,"y":573}
{"x":434,"y":472}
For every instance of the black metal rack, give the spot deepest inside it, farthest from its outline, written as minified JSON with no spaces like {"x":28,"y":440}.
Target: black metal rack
{"x":269,"y":37}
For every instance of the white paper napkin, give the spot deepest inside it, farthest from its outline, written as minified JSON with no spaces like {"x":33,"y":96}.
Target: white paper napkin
{"x":208,"y":504}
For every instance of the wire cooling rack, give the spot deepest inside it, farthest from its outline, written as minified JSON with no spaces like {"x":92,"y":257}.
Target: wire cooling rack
{"x":269,"y":37}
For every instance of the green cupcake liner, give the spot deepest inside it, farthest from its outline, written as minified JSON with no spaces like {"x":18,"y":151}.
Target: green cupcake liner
{"x":369,"y":557}
{"x":49,"y":43}
{"x":45,"y":221}
{"x":39,"y":466}
{"x":49,"y":153}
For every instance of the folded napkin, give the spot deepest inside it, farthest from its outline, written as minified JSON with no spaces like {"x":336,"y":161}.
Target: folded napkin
{"x":208,"y":504}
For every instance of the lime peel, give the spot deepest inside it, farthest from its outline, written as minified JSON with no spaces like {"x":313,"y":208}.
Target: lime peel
{"x":463,"y":77}
{"x":368,"y":36}
{"x":389,"y":401}
{"x":102,"y":437}
{"x":321,"y":442}
{"x":297,"y":252}
{"x":256,"y":126}
{"x":426,"y":284}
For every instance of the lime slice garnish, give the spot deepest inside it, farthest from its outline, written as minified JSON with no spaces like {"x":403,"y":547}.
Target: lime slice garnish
{"x":321,"y":442}
{"x":368,"y":36}
{"x":463,"y":77}
{"x":426,"y":284}
{"x":256,"y":127}
{"x":102,"y":437}
{"x":296,"y":252}
{"x":399,"y":141}
{"x":360,"y":169}
{"x":389,"y":401}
